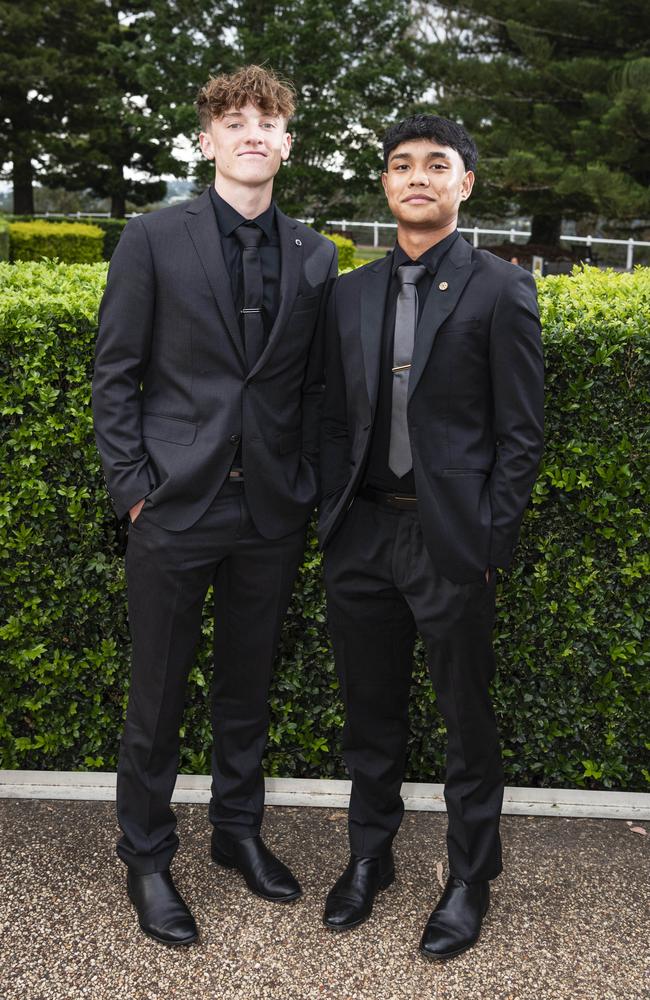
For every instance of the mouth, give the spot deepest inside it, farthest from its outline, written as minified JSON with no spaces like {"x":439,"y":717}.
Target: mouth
{"x":252,"y":152}
{"x":418,"y":199}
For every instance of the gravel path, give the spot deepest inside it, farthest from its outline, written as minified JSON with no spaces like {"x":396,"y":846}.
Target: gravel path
{"x":570,"y":916}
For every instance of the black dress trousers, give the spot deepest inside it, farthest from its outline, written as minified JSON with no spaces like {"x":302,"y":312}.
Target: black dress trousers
{"x":168,"y":576}
{"x":382,"y":587}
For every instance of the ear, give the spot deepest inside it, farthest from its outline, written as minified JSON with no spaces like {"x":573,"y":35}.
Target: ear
{"x":384,"y":182}
{"x":467,"y":185}
{"x":285,"y":149}
{"x":205,"y":142}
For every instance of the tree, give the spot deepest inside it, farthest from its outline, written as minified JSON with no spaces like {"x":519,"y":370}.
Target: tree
{"x":353,"y":67}
{"x":119,"y":140}
{"x":552,"y":95}
{"x":43,"y":53}
{"x":125,"y":75}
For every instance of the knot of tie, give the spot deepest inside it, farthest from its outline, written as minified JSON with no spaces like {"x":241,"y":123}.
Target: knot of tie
{"x":249,"y":235}
{"x":410,"y":274}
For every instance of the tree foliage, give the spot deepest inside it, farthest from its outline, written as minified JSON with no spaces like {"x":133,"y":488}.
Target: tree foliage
{"x":352,"y":63}
{"x":558,"y":98}
{"x":132,"y":99}
{"x":96,"y":95}
{"x":44,"y":66}
{"x":120,"y":139}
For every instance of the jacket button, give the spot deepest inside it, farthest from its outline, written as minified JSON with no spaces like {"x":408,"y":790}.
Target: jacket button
{"x":235,"y":438}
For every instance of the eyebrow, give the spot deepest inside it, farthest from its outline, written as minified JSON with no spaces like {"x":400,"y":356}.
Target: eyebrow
{"x":433,"y":155}
{"x":239,"y":114}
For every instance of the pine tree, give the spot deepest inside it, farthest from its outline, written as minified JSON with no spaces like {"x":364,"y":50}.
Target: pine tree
{"x":557,"y":97}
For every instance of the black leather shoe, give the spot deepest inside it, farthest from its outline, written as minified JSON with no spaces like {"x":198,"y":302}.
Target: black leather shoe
{"x":162,"y":912}
{"x":455,"y":924}
{"x":350,"y":900}
{"x":265,"y":875}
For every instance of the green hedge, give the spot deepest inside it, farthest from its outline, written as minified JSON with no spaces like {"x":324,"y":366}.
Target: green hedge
{"x":71,"y":242}
{"x":345,"y":248}
{"x":112,"y":229}
{"x":572,"y":688}
{"x":4,"y":239}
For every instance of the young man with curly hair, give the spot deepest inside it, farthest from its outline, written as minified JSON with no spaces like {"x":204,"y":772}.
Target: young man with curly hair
{"x":207,"y":397}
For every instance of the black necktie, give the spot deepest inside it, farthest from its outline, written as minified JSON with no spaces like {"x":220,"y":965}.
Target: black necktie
{"x":249,"y":236}
{"x":406,"y":315}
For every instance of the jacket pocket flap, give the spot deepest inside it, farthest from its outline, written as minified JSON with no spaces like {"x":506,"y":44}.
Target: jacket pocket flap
{"x":305,"y":303}
{"x":466,"y":326}
{"x":172,"y":429}
{"x":464,"y":472}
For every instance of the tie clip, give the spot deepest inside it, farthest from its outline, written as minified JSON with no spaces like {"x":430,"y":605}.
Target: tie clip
{"x":255,"y":310}
{"x":400,"y":368}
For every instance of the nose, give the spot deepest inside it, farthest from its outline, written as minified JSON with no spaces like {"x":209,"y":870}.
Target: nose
{"x":419,"y":178}
{"x":254,"y":137}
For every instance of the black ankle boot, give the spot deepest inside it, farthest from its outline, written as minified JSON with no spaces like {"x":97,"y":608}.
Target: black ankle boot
{"x":162,"y":912}
{"x":350,"y":900}
{"x":265,"y":875}
{"x":455,"y":924}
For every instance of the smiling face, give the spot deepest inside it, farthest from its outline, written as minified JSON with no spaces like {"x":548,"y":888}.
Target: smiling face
{"x":425,"y":184}
{"x":247,"y":147}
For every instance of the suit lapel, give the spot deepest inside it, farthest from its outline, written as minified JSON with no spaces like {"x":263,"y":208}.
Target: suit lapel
{"x":204,"y":233}
{"x":373,"y":301}
{"x":446,"y":289}
{"x":291,"y":252}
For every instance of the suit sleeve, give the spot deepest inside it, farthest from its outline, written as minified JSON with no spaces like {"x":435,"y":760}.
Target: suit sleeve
{"x":517,"y":370}
{"x":122,"y":351}
{"x":335,"y":439}
{"x":313,"y":385}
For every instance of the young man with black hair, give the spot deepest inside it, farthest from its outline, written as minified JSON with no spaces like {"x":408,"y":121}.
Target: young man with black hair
{"x":207,"y":397}
{"x":432,"y":434}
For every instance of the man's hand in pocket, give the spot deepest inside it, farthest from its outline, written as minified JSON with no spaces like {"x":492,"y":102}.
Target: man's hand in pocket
{"x":135,"y":510}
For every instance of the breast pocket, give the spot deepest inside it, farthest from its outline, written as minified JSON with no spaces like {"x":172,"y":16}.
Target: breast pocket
{"x":305,"y":303}
{"x":465,"y":326}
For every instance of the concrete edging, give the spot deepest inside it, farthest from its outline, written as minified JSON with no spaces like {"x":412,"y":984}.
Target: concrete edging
{"x":100,"y":786}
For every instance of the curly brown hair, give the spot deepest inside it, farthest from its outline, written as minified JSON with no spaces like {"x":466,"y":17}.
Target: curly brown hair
{"x":253,"y":84}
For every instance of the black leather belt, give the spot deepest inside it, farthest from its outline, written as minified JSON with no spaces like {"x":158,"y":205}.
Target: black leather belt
{"x":399,"y":501}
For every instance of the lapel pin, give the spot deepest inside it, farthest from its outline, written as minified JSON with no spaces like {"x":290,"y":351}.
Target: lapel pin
{"x":298,"y":243}
{"x":443,"y":286}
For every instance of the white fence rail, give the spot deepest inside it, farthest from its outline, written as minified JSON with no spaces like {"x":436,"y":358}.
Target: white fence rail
{"x":476,"y":232}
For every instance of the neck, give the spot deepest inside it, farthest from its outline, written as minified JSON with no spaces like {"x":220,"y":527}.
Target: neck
{"x":415,"y":241}
{"x":248,"y":201}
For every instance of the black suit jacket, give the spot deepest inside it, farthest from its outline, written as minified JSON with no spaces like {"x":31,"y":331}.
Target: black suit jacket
{"x":475,"y":410}
{"x":172,"y":398}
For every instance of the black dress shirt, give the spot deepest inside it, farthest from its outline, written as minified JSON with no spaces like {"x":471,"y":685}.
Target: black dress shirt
{"x":228,"y":219}
{"x":378,"y":475}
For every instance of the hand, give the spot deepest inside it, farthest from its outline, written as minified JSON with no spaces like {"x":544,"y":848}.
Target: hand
{"x":135,"y":510}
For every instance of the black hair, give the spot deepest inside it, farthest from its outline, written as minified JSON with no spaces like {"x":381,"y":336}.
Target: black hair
{"x":440,"y":130}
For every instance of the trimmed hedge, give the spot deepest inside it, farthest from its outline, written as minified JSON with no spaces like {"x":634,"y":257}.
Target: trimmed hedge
{"x":346,"y":249}
{"x":70,"y":242}
{"x":572,"y":687}
{"x":112,"y":229}
{"x":4,"y":239}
